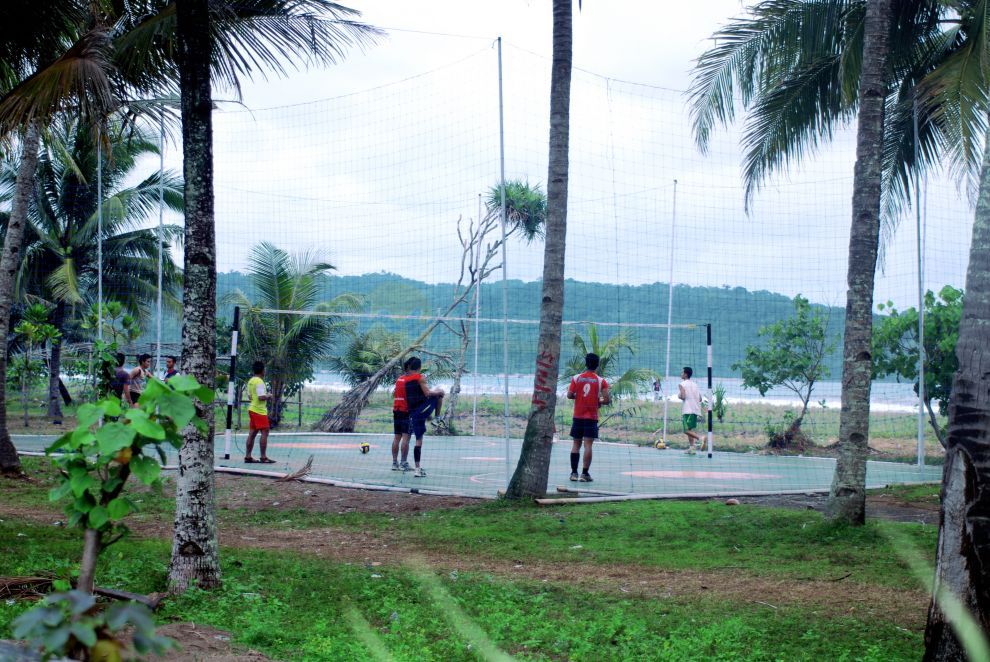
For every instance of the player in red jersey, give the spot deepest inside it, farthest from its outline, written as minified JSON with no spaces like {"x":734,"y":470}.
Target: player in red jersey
{"x":422,"y":402}
{"x":400,"y":423}
{"x":589,"y":392}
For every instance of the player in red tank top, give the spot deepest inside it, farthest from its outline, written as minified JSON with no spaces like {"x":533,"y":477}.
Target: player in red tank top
{"x":400,"y":422}
{"x":588,"y":391}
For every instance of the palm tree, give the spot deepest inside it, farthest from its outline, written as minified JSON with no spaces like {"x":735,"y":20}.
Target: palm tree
{"x":367,"y":353}
{"x":47,"y":63}
{"x":195,"y":553}
{"x":291,"y":344}
{"x":160,"y":46}
{"x":610,"y":351}
{"x":804,"y":68}
{"x":60,"y":254}
{"x":960,"y":608}
{"x":231,"y":39}
{"x":532,"y":471}
{"x":963,"y":549}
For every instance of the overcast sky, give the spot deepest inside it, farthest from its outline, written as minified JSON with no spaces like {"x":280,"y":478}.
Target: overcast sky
{"x":373,"y":161}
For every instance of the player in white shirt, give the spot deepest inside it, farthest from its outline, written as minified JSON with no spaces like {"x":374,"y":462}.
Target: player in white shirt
{"x":690,"y":395}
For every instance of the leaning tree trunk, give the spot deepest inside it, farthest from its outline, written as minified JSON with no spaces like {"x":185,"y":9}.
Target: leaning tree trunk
{"x":195,"y":553}
{"x":55,"y":367}
{"x":962,"y":572}
{"x":532,"y":471}
{"x":847,"y":497}
{"x":343,"y":416}
{"x":9,"y":262}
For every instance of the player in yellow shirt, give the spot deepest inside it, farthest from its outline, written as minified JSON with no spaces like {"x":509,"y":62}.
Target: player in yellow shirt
{"x":258,"y":414}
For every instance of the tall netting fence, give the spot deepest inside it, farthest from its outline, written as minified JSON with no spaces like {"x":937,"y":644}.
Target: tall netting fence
{"x":379,"y":212}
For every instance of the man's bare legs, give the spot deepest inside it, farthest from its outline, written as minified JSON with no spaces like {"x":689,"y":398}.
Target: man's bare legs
{"x":395,"y":448}
{"x":250,"y":444}
{"x":264,"y":445}
{"x":405,"y":452}
{"x":586,"y":464}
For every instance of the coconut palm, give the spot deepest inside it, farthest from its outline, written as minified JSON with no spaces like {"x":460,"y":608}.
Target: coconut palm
{"x":802,"y":69}
{"x":959,"y":614}
{"x":231,"y":40}
{"x":46,"y":53}
{"x":290,"y":345}
{"x":161,"y":46}
{"x":60,"y":262}
{"x":611,"y":352}
{"x":533,"y":468}
{"x":367,"y":353}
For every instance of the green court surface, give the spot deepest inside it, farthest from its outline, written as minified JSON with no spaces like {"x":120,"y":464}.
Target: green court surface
{"x":476,"y":466}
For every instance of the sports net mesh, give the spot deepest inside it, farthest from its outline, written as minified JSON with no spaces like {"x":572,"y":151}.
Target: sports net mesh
{"x":385,"y":185}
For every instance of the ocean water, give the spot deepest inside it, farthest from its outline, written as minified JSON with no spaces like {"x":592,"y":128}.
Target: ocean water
{"x":885,"y":396}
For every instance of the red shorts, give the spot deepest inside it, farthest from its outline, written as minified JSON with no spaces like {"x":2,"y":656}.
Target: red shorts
{"x":258,"y":421}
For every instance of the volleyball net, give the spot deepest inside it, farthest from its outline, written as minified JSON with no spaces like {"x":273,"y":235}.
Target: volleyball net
{"x":354,"y":227}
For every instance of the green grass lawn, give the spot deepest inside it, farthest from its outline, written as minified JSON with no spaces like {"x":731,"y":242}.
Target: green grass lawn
{"x":295,"y":607}
{"x":666,"y":534}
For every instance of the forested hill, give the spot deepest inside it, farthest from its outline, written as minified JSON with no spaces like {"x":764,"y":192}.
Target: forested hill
{"x":735,"y":314}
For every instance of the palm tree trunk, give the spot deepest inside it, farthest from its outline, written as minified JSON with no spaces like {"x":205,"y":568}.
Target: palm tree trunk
{"x":55,"y":366}
{"x":532,"y":471}
{"x":195,"y":553}
{"x":847,"y":497}
{"x":276,"y":405}
{"x":963,"y":553}
{"x":9,"y":262}
{"x":24,"y":382}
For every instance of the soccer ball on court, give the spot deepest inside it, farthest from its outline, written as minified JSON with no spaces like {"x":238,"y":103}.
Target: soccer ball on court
{"x":365,"y":447}
{"x":660,"y":445}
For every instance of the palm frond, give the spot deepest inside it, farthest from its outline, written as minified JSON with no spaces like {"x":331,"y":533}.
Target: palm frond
{"x":64,"y":283}
{"x":77,"y":80}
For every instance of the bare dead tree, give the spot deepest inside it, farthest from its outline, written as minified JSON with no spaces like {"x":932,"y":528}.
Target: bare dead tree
{"x":343,"y":416}
{"x":477,"y":263}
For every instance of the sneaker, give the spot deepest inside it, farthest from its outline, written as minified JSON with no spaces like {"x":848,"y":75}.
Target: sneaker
{"x":396,"y":467}
{"x":405,"y":467}
{"x":419,"y":473}
{"x":574,"y":476}
{"x":586,"y":478}
{"x":690,"y":451}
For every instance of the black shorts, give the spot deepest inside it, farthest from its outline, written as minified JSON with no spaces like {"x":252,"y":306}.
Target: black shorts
{"x":584,"y":428}
{"x":400,"y":422}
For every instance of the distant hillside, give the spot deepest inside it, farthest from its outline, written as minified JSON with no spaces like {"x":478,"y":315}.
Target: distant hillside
{"x":735,"y":314}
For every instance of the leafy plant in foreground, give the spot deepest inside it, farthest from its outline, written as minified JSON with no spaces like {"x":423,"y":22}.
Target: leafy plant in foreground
{"x":95,"y":462}
{"x":71,"y":622}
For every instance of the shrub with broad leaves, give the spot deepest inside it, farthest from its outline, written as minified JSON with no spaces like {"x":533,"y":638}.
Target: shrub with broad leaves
{"x":95,"y":460}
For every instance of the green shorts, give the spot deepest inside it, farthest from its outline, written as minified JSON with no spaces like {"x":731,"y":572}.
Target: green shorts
{"x":689,"y":421}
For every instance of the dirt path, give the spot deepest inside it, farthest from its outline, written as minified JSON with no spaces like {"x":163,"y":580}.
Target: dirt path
{"x":905,"y":608}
